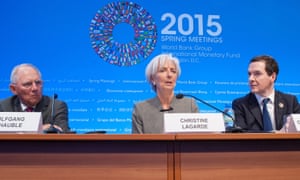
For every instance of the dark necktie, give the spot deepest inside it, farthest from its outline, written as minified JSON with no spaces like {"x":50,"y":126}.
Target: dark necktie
{"x":266,"y":116}
{"x":29,"y":109}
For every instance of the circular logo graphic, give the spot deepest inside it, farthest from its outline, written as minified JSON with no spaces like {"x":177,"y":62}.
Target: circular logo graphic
{"x":132,"y":50}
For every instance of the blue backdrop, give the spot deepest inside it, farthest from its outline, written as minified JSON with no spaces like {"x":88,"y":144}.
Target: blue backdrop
{"x":93,"y":53}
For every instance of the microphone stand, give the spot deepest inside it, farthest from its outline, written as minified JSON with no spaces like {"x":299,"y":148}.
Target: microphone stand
{"x":179,"y":96}
{"x":52,"y":129}
{"x":234,"y":129}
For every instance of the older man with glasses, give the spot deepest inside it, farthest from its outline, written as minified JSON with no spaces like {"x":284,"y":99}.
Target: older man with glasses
{"x":27,"y":86}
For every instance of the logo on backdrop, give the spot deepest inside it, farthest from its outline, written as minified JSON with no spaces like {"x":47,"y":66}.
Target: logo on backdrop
{"x":123,"y":33}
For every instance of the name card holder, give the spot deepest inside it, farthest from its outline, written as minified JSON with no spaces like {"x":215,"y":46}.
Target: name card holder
{"x":193,"y":123}
{"x":292,"y":123}
{"x":21,"y":122}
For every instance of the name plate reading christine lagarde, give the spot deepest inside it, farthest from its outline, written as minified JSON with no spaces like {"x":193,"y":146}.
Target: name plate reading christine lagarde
{"x":193,"y":122}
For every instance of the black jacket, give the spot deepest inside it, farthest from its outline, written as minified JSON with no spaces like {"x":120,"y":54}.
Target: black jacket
{"x":248,"y":114}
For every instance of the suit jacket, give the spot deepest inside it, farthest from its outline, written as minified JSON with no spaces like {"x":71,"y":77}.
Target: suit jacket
{"x":148,"y":116}
{"x":13,"y":104}
{"x":248,"y":114}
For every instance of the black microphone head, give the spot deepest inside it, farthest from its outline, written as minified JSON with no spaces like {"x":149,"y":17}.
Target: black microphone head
{"x":179,"y":96}
{"x":55,"y":96}
{"x":51,"y":130}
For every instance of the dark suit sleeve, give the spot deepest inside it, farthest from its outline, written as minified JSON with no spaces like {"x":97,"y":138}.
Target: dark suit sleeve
{"x":239,"y":114}
{"x":61,"y":115}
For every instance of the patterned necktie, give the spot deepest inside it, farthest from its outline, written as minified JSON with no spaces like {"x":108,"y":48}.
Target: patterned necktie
{"x":29,"y":109}
{"x":266,"y":116}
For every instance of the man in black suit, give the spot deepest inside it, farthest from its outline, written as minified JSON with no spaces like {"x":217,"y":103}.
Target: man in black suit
{"x":262,"y":74}
{"x":26,"y":85}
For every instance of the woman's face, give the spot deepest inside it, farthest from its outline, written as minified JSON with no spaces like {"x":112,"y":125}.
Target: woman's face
{"x":165,"y":77}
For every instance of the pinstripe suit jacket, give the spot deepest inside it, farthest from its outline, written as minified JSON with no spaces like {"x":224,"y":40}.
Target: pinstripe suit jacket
{"x":12,"y":104}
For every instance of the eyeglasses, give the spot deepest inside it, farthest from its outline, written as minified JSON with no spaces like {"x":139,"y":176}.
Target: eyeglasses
{"x":28,"y":85}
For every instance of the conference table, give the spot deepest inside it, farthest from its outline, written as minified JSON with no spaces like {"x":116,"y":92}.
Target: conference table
{"x":150,"y":156}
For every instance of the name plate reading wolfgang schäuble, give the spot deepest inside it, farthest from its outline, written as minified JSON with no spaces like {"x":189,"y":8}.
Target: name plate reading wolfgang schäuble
{"x":193,"y":122}
{"x":20,"y":122}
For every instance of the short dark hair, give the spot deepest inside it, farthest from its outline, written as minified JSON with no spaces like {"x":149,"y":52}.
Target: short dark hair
{"x":270,"y":62}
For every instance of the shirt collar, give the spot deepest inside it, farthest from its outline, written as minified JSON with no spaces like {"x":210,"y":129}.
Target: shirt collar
{"x":24,"y":107}
{"x":261,"y":98}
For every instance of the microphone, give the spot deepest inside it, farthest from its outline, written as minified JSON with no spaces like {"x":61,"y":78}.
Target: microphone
{"x":164,"y":110}
{"x":180,"y":96}
{"x":96,"y":132}
{"x":52,"y":129}
{"x":231,"y":129}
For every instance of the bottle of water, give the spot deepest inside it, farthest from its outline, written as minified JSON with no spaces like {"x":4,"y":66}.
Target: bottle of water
{"x":228,"y":121}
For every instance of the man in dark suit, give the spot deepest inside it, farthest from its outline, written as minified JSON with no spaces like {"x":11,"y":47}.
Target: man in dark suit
{"x":26,"y":85}
{"x":248,"y":110}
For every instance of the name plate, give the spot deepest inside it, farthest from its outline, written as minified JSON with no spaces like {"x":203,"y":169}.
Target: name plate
{"x":193,"y":122}
{"x":20,"y":122}
{"x":292,"y":123}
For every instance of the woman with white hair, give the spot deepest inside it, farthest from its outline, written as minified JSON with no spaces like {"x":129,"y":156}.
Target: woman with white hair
{"x":162,"y":73}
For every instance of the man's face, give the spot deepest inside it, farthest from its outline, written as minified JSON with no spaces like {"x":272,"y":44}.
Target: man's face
{"x":28,"y":86}
{"x":259,"y":81}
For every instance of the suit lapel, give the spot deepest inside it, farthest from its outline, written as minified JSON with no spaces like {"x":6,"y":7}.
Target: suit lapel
{"x":255,"y":109}
{"x":17,"y":105}
{"x":42,"y":105}
{"x":279,"y":108}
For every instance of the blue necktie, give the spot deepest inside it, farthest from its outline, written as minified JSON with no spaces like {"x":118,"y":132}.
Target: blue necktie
{"x":266,"y":116}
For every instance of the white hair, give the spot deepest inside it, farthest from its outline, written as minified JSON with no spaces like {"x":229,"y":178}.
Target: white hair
{"x":14,"y":73}
{"x":158,"y":61}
